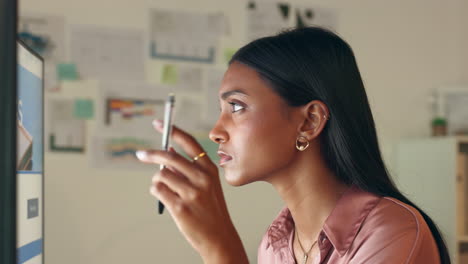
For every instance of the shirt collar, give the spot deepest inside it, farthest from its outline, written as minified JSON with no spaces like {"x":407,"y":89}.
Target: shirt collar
{"x":279,"y":230}
{"x":341,"y":226}
{"x":345,"y":220}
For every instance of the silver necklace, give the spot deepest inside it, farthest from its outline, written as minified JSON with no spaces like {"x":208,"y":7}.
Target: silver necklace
{"x":306,"y":253}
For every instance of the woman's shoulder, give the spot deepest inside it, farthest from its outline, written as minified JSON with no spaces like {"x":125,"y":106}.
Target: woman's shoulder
{"x":399,"y":214}
{"x":392,"y":215}
{"x":392,"y":228}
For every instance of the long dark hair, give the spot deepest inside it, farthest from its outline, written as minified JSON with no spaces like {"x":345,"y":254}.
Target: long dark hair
{"x":312,"y":63}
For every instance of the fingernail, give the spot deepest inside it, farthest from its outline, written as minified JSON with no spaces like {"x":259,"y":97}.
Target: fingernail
{"x":141,"y":154}
{"x":158,"y":123}
{"x":153,"y":191}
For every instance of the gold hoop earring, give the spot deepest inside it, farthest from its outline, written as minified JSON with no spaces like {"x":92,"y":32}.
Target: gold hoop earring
{"x":302,"y":147}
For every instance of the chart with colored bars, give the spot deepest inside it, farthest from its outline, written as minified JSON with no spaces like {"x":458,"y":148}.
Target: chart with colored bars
{"x":124,"y":148}
{"x":120,"y":110}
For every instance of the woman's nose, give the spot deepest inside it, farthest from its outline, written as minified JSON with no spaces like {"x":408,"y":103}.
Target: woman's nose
{"x":218,"y":134}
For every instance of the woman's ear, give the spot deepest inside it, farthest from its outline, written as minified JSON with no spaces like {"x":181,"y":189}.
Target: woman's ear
{"x":315,"y":116}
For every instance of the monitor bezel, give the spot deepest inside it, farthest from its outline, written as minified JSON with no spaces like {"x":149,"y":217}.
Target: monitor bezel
{"x":8,"y":117}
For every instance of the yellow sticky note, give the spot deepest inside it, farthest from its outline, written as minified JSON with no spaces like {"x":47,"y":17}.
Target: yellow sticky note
{"x":169,"y":74}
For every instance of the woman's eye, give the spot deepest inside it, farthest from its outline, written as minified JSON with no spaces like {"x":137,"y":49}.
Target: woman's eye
{"x":235,"y":107}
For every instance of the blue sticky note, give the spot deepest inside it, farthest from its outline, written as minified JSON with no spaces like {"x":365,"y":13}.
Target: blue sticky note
{"x":84,"y":109}
{"x":67,"y":72}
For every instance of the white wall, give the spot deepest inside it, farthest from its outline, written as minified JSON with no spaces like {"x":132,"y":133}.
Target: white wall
{"x":404,"y":49}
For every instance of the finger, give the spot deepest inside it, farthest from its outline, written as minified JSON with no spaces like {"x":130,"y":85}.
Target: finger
{"x":156,"y":176}
{"x":166,"y":196}
{"x":189,"y":144}
{"x":173,"y":159}
{"x":177,"y":184}
{"x":176,"y":172}
{"x":171,"y":149}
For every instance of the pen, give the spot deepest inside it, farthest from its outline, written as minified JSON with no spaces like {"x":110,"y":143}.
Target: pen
{"x":168,"y":107}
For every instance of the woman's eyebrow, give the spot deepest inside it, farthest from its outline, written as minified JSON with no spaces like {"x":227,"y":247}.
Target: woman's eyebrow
{"x":229,"y":93}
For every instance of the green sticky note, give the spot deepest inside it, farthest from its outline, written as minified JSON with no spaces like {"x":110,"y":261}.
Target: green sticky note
{"x":169,"y":74}
{"x":84,"y":109}
{"x":67,"y":72}
{"x":228,"y":53}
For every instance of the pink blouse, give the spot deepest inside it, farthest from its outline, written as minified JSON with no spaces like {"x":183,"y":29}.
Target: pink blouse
{"x":362,"y":228}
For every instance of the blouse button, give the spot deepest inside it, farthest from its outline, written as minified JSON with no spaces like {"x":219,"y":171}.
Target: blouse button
{"x":323,"y":238}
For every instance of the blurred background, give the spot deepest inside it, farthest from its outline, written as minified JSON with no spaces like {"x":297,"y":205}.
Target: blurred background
{"x":110,"y":65}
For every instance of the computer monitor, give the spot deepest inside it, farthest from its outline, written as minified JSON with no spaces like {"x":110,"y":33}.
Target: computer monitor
{"x":21,"y":145}
{"x":30,"y":156}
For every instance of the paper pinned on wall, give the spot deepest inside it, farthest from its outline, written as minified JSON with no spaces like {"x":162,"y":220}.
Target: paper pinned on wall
{"x":118,"y":152}
{"x":190,"y":79}
{"x":266,"y":18}
{"x":129,"y":113}
{"x":45,"y":34}
{"x":183,"y":78}
{"x":128,"y":108}
{"x":306,"y":15}
{"x":125,"y":123}
{"x":185,"y":36}
{"x":189,"y":114}
{"x":67,"y":133}
{"x":108,"y":54}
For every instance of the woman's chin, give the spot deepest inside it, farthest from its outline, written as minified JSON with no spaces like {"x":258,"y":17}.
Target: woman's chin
{"x":234,"y":182}
{"x":235,"y":179}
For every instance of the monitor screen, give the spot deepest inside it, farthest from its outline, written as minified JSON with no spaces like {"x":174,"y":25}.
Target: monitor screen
{"x":29,"y":160}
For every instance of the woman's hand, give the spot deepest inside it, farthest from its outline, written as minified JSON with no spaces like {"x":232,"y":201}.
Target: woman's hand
{"x":192,"y":193}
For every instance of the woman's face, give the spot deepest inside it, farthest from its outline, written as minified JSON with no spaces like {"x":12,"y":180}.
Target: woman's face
{"x":256,"y":129}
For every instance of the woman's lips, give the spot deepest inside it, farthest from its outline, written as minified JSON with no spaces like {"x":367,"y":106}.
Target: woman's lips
{"x":224,"y":158}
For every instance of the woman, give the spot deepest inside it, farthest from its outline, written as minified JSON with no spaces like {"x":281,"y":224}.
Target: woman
{"x":294,"y":113}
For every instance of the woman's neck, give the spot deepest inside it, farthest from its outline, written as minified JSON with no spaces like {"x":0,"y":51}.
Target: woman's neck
{"x":310,"y":191}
